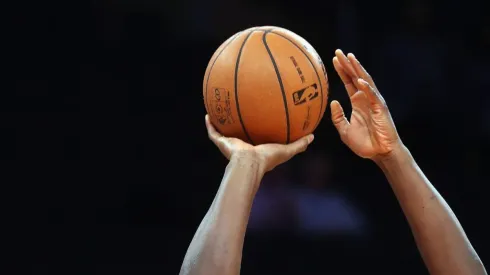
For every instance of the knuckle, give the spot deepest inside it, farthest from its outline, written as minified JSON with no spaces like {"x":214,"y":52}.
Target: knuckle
{"x":304,"y":143}
{"x":382,"y":101}
{"x":380,"y":106}
{"x":338,"y":119}
{"x":303,"y":146}
{"x":337,"y":116}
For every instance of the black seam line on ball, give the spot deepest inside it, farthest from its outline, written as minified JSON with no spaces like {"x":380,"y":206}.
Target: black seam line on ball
{"x":236,"y":87}
{"x":279,"y":79}
{"x":317,"y":74}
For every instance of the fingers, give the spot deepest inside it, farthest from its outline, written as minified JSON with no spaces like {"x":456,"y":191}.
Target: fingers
{"x":276,"y":154}
{"x":346,"y":64}
{"x":223,"y":143}
{"x":360,"y":69}
{"x":346,"y":79}
{"x":356,"y":77}
{"x":299,"y":145}
{"x":338,"y":117}
{"x":373,"y":95}
{"x":213,"y":135}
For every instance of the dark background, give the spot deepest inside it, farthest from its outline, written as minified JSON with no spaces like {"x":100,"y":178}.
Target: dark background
{"x":113,"y":168}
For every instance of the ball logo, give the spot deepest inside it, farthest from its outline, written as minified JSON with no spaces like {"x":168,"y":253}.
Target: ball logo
{"x":221,"y":106}
{"x":306,"y":94}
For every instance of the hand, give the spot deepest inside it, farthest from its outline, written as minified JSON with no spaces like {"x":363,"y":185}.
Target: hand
{"x":268,"y":155}
{"x":371,"y":132}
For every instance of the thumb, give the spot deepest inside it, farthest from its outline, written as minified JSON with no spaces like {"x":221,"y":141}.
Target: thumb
{"x":338,"y":117}
{"x":279,"y":153}
{"x":213,"y":135}
{"x":300,"y":145}
{"x":219,"y":140}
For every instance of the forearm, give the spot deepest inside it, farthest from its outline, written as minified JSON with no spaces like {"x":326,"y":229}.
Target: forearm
{"x":217,"y":245}
{"x":438,"y":233}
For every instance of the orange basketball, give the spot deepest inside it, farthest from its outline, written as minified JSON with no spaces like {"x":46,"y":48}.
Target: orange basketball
{"x":265,"y":85}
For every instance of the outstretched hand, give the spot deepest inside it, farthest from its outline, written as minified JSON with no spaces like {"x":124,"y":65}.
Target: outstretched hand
{"x":268,"y":155}
{"x":370,"y":132}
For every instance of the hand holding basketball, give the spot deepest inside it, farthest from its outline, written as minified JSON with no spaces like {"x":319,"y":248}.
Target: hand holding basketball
{"x":370,"y":133}
{"x":268,"y":155}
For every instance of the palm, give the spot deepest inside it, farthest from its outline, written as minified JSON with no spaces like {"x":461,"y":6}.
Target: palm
{"x":358,"y":135}
{"x":269,"y":155}
{"x":273,"y":153}
{"x":232,"y":145}
{"x":370,"y":131}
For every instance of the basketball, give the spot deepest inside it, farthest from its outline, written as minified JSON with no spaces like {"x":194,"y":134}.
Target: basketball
{"x":265,"y":85}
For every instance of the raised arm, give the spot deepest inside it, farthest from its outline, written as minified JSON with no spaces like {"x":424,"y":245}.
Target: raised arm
{"x":216,"y":248}
{"x":371,"y":134}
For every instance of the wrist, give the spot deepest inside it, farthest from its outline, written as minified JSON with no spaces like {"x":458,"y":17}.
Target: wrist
{"x":399,"y":154}
{"x":250,"y":168}
{"x":248,"y":159}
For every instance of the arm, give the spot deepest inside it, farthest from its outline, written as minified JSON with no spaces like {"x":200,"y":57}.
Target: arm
{"x":217,"y":245}
{"x":216,"y":248}
{"x":438,"y":233}
{"x":371,"y":134}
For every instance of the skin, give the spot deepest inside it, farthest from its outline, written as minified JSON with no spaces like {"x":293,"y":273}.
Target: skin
{"x":216,"y":248}
{"x":371,"y":134}
{"x":217,"y":245}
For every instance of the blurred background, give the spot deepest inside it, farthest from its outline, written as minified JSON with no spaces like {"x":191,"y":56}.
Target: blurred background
{"x":111,"y":171}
